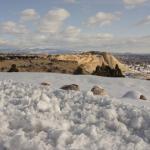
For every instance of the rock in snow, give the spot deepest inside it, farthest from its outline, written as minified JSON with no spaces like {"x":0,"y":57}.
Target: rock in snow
{"x":97,"y":90}
{"x":45,"y":83}
{"x":72,"y":87}
{"x":142,"y":97}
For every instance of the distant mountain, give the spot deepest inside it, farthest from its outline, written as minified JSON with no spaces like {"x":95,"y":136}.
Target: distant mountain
{"x":38,"y":51}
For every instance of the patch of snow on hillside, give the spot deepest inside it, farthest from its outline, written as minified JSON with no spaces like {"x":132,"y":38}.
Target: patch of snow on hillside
{"x":34,"y":117}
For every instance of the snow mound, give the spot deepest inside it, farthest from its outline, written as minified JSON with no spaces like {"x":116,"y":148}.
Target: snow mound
{"x":38,"y":118}
{"x":133,"y":95}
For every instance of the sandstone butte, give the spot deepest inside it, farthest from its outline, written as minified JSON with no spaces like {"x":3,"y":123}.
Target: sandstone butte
{"x":89,"y":61}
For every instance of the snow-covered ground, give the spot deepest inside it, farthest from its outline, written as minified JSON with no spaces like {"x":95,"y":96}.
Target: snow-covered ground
{"x":35,"y":117}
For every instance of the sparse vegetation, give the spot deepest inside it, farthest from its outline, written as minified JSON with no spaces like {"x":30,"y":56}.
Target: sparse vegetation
{"x":13,"y":68}
{"x":82,"y":63}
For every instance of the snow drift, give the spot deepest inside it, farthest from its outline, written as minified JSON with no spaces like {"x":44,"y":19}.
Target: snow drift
{"x":36,"y":117}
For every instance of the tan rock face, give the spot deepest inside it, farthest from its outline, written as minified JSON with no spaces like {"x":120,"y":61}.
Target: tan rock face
{"x":90,"y":61}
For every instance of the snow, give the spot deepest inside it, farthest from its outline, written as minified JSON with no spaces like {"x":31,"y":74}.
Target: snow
{"x":36,"y":117}
{"x":133,"y":94}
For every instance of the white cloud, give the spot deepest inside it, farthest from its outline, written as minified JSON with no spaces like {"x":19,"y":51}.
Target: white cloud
{"x":70,"y":1}
{"x":133,"y":3}
{"x":70,"y":34}
{"x":105,"y":36}
{"x":29,"y":15}
{"x":73,"y":38}
{"x":2,"y":41}
{"x":8,"y":43}
{"x":102,"y":18}
{"x":50,"y":33}
{"x":144,"y":21}
{"x":11,"y":27}
{"x":53,"y":20}
{"x":72,"y":31}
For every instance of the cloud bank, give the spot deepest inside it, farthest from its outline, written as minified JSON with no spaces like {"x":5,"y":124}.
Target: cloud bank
{"x":51,"y":31}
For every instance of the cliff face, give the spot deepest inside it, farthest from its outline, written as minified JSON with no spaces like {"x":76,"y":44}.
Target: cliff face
{"x":90,"y":61}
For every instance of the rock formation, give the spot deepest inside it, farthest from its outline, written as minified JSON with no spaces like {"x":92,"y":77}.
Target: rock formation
{"x":107,"y":71}
{"x":90,"y":60}
{"x":78,"y":63}
{"x":80,"y":70}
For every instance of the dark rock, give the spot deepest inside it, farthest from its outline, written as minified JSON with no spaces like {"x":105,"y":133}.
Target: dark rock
{"x":80,"y":70}
{"x":45,"y":84}
{"x":107,"y":71}
{"x":142,"y":97}
{"x":13,"y":68}
{"x":73,"y":87}
{"x":2,"y":69}
{"x":118,"y":72}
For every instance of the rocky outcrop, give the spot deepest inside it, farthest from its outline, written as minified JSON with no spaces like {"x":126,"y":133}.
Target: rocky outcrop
{"x":79,"y":63}
{"x":80,"y":71}
{"x":89,"y":61}
{"x":107,"y":71}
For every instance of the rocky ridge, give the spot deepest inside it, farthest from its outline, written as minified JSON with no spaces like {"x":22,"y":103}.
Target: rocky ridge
{"x":89,"y":61}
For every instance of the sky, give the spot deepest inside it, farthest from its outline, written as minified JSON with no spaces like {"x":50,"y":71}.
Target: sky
{"x":104,"y":25}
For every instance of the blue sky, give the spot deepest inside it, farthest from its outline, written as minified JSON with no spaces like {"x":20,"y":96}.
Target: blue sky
{"x":106,"y":25}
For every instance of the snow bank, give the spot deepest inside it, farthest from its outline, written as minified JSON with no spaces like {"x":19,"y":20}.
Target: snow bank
{"x":133,"y":95}
{"x":34,"y":117}
{"x":115,"y":87}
